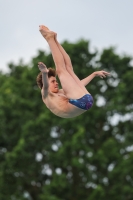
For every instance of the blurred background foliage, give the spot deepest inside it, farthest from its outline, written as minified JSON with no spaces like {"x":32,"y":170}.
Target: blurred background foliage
{"x":90,"y":157}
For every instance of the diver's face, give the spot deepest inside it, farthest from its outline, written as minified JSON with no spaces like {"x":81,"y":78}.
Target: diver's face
{"x":53,"y":85}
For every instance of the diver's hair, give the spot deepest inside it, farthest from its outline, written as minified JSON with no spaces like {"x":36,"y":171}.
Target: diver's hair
{"x":51,"y":72}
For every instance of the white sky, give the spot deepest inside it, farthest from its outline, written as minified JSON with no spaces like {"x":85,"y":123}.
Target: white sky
{"x":104,"y":22}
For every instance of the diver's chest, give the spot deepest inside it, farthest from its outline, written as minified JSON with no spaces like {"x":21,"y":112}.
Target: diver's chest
{"x":57,"y":101}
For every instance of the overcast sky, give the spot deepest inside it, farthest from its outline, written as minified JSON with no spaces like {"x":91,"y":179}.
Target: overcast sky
{"x":104,"y":22}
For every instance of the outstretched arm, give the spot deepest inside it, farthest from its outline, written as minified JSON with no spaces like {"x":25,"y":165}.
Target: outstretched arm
{"x":102,"y":74}
{"x":44,"y":71}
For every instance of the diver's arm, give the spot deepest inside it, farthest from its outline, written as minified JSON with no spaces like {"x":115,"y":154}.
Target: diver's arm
{"x":45,"y":84}
{"x":42,"y":67}
{"x":87,"y":80}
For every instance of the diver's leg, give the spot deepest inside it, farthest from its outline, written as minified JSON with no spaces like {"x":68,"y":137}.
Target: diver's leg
{"x":69,"y":66}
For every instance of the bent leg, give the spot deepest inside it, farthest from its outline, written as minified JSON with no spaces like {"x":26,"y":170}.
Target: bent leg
{"x":69,"y":85}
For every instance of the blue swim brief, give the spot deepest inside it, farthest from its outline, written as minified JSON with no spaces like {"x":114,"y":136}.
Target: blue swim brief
{"x":84,"y":102}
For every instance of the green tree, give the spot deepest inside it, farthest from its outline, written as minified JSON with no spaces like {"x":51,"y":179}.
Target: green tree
{"x":44,"y":157}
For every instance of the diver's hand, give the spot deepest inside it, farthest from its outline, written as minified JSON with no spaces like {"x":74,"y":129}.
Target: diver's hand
{"x":102,"y":74}
{"x":42,"y":67}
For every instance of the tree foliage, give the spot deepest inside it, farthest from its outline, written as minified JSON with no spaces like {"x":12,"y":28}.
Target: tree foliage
{"x":88,"y":157}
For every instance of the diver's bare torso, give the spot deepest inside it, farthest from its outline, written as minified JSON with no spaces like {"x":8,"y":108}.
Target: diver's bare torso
{"x":59,"y":104}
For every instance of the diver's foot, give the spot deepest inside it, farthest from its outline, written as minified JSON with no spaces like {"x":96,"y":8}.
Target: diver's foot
{"x":44,"y":27}
{"x":46,"y":33}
